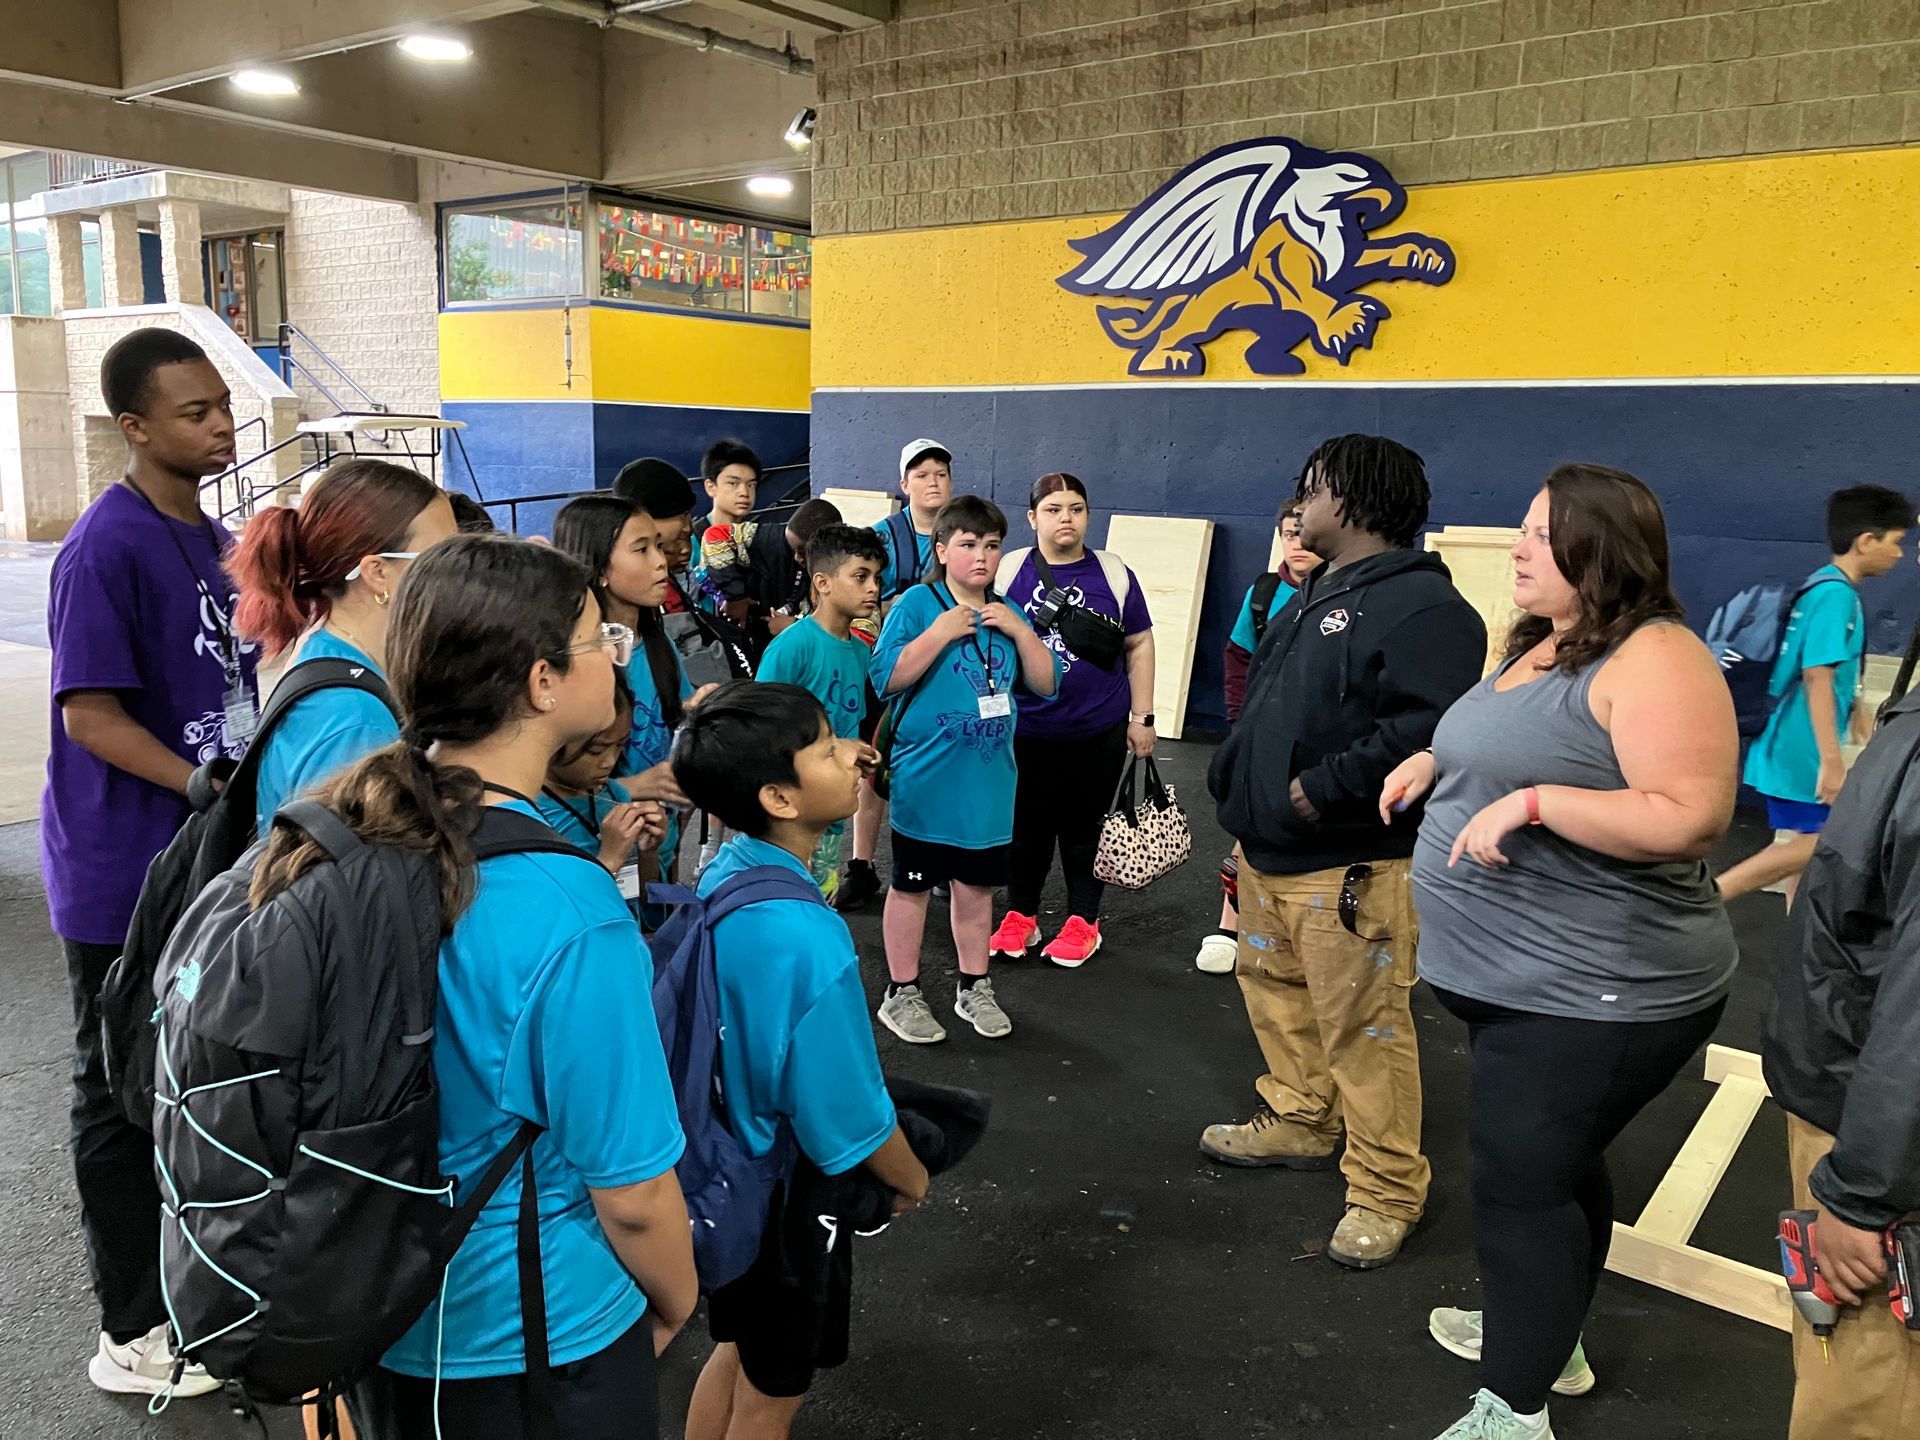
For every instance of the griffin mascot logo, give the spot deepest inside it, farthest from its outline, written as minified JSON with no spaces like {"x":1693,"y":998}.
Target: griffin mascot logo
{"x":1269,"y":236}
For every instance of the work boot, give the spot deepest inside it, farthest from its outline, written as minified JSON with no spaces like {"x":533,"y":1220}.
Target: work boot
{"x":1365,"y":1239}
{"x":1266,"y":1139}
{"x":1459,"y":1332}
{"x":1493,"y":1419}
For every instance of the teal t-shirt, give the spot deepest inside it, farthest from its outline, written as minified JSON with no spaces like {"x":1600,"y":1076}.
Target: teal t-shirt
{"x":1242,"y":634}
{"x":891,"y":581}
{"x":545,"y":1014}
{"x":578,"y":817}
{"x":651,"y":739}
{"x":1828,"y":626}
{"x":953,"y":770}
{"x":833,"y":671}
{"x":323,"y":733}
{"x":796,"y":1040}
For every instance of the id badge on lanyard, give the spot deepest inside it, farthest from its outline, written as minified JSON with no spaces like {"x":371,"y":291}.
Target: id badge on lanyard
{"x":993,"y":705}
{"x":243,"y":717}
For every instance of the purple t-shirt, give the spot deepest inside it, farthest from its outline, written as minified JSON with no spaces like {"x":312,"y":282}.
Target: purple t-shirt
{"x":125,"y":615}
{"x":1092,"y":700}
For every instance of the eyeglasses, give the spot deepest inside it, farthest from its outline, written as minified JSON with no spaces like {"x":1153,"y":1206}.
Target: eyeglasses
{"x":354,"y":573}
{"x":1357,"y":874}
{"x":615,"y":639}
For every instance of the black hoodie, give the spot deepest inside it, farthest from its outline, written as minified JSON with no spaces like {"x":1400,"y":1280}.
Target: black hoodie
{"x":1350,"y":679}
{"x":1842,"y":1046}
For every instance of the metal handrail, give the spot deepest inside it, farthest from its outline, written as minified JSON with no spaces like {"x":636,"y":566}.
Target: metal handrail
{"x":289,"y":332}
{"x":66,"y":169}
{"x":251,"y":501}
{"x":514,"y":502}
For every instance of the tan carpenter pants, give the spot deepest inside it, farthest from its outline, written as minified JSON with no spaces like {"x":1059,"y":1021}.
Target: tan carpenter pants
{"x":1870,"y":1388}
{"x":1331,"y":1012}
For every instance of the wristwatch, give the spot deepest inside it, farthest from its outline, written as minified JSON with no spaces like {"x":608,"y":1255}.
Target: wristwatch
{"x":1140,"y":719}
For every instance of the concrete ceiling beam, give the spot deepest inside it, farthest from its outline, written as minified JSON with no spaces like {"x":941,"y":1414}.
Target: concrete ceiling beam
{"x":165,"y":44}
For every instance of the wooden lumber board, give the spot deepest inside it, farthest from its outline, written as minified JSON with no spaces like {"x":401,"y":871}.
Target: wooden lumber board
{"x":1169,"y":555}
{"x":1723,"y":1062}
{"x":1743,"y":1290}
{"x":1682,"y":1197}
{"x":860,"y":507}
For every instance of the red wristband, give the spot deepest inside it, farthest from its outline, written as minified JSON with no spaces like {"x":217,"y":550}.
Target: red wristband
{"x":1533,"y":805}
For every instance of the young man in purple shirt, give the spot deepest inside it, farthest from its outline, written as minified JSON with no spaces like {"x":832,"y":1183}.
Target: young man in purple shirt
{"x":148,"y":684}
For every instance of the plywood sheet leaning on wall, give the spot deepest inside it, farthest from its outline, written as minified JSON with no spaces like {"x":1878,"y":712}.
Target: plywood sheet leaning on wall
{"x":1170,"y":558}
{"x":860,"y":507}
{"x":1480,"y":558}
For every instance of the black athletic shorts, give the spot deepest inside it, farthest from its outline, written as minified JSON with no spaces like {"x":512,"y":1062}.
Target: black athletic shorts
{"x":919,"y":865}
{"x":786,"y":1331}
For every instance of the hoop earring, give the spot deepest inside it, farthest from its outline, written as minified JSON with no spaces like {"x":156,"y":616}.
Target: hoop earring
{"x":380,"y":597}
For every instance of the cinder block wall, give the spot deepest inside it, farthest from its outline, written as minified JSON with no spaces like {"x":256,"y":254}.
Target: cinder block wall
{"x":969,"y":110}
{"x":361,"y":280}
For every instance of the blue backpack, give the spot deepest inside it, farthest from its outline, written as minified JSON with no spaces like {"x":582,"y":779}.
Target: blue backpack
{"x":1745,"y":636}
{"x":729,"y":1192}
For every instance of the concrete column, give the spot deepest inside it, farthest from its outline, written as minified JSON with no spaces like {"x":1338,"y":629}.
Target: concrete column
{"x":120,"y":282}
{"x":37,"y":489}
{"x":67,"y":267}
{"x":180,"y":252}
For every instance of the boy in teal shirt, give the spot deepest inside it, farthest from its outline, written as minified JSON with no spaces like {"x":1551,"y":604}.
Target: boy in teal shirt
{"x":797,"y":1047}
{"x":823,"y":656}
{"x":1796,"y":761}
{"x":948,"y":658}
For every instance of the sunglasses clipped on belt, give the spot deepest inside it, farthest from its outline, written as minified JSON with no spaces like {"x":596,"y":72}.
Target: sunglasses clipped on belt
{"x":1357,"y":874}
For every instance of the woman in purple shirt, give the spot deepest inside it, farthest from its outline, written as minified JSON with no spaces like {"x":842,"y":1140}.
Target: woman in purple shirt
{"x":1070,"y":752}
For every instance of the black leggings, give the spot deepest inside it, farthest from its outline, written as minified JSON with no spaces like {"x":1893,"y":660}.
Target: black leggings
{"x":1549,"y":1095}
{"x":1064,"y":789}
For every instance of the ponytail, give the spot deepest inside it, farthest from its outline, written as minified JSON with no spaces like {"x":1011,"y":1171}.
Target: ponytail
{"x":663,"y":663}
{"x":265,"y":566}
{"x":291,"y":564}
{"x":396,"y":798}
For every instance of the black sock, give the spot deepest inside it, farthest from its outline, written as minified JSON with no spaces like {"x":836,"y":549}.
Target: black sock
{"x":894,"y":989}
{"x":126,"y":1337}
{"x":866,"y":865}
{"x":967,"y":982}
{"x":1233,"y":935}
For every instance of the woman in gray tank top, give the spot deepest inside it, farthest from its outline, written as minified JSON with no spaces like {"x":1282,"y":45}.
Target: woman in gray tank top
{"x":1566,"y":913}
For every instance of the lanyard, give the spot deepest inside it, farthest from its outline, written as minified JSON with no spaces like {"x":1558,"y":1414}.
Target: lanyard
{"x":591,"y":819}
{"x":982,"y":648}
{"x":510,"y":794}
{"x":223,"y":618}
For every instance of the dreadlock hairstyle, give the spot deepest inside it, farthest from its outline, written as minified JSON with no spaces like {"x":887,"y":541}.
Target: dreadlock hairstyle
{"x":1381,"y":485}
{"x":1609,"y":540}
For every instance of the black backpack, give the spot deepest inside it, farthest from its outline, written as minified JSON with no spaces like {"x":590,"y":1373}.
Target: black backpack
{"x":223,"y":795}
{"x":305,"y":1224}
{"x":1265,"y":588}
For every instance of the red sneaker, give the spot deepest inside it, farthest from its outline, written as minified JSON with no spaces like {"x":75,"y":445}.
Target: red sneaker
{"x":1015,"y":934}
{"x":1075,"y":943}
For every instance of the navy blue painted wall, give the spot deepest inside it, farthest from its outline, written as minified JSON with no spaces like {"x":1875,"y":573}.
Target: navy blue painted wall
{"x":546,"y":447}
{"x":153,"y":283}
{"x":1743,"y":470}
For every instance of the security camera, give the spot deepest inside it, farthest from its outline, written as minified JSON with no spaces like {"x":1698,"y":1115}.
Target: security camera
{"x":800,"y":133}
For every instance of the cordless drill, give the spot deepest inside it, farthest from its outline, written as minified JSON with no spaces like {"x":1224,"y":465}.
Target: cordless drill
{"x":1812,"y":1296}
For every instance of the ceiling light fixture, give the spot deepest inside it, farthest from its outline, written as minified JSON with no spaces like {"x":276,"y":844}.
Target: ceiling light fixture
{"x":436,"y":49}
{"x":770,"y":187}
{"x":800,"y":133}
{"x":265,"y":82}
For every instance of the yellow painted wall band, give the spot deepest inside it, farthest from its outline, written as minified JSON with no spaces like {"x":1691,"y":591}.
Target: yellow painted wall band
{"x":1796,"y":265}
{"x":635,"y":356}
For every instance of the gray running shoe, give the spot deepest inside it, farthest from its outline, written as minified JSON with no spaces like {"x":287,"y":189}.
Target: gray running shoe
{"x":979,"y":1009}
{"x":907,"y":1015}
{"x":1459,"y":1331}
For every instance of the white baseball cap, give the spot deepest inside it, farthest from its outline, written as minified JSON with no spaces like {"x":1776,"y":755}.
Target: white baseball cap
{"x":919,"y":449}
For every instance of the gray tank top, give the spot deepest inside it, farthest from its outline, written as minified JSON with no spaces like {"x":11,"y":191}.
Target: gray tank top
{"x":1562,"y":930}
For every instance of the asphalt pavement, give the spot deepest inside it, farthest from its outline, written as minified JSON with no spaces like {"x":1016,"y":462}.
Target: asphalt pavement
{"x":1086,"y":1273}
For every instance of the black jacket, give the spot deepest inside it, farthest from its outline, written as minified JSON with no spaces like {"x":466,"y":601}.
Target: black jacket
{"x":1350,"y":679}
{"x":1842,"y":1048}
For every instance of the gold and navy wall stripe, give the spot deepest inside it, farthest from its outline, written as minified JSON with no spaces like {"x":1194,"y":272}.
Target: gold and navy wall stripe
{"x":640,"y":382}
{"x":1742,"y":335}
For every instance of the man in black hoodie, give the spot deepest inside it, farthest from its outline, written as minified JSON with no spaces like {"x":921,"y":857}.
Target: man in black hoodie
{"x":1842,"y":1057}
{"x":1350,"y":678}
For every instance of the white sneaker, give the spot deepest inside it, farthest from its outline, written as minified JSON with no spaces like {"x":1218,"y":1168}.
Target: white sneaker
{"x":1217,"y":954}
{"x":144,"y":1366}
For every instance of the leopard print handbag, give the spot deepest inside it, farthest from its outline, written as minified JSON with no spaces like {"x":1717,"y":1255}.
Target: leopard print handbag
{"x":1142,"y":840}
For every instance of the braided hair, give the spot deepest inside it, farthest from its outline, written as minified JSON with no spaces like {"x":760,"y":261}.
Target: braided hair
{"x":1381,"y":485}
